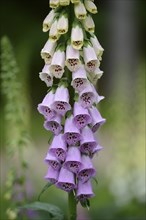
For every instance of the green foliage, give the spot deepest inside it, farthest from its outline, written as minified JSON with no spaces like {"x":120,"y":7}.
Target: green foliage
{"x":44,"y":189}
{"x":54,"y":212}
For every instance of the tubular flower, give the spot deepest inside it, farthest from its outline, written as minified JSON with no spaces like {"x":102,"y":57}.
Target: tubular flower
{"x":88,"y":142}
{"x":72,"y":56}
{"x":66,"y":180}
{"x":58,"y":63}
{"x":61,"y":101}
{"x":97,"y":47}
{"x":58,"y":147}
{"x":81,"y":116}
{"x":84,"y":190}
{"x":62,"y":24}
{"x":79,"y":79}
{"x":73,"y":159}
{"x":80,"y":11}
{"x":77,"y":36}
{"x":48,"y":51}
{"x":71,"y":132}
{"x":53,"y":34}
{"x":90,"y":6}
{"x":54,"y":124}
{"x":52,"y":175}
{"x":46,"y":76}
{"x":44,"y":108}
{"x":90,"y":58}
{"x":87,"y":170}
{"x":89,"y":24}
{"x":48,"y":20}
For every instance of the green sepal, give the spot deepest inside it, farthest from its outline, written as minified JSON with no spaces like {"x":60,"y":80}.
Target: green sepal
{"x":76,"y":97}
{"x":68,"y":114}
{"x":96,"y":181}
{"x":63,"y":82}
{"x":61,"y":47}
{"x":85,"y":203}
{"x":87,"y":43}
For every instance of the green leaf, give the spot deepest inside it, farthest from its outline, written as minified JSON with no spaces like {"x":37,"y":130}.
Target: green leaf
{"x":44,"y":189}
{"x":54,"y":211}
{"x":85,"y":203}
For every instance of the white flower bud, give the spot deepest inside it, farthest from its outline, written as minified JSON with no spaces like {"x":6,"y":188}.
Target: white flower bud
{"x":48,"y":21}
{"x":90,"y":6}
{"x":58,"y":63}
{"x":93,"y":77}
{"x":46,"y":76}
{"x":62,"y":25}
{"x":48,"y":51}
{"x":54,"y":3}
{"x":72,"y":58}
{"x":53,"y":34}
{"x":80,"y":11}
{"x":77,"y":37}
{"x":90,"y":58}
{"x":97,"y":47}
{"x":64,"y":2}
{"x":89,"y":24}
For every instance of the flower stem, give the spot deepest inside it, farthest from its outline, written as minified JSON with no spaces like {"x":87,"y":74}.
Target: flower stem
{"x":72,"y":206}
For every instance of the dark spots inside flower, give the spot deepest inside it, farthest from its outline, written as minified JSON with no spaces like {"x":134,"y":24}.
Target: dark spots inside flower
{"x":86,"y":98}
{"x":83,"y":197}
{"x":62,"y":31}
{"x":73,"y":62}
{"x":60,"y":154}
{"x":58,"y":69}
{"x":77,"y":43}
{"x":72,"y":138}
{"x":47,"y":111}
{"x":84,"y":174}
{"x":78,"y":82}
{"x":53,"y":37}
{"x":91,"y":65}
{"x":60,"y":106}
{"x":81,"y":119}
{"x":67,"y":186}
{"x":54,"y":164}
{"x":54,"y":126}
{"x":48,"y":78}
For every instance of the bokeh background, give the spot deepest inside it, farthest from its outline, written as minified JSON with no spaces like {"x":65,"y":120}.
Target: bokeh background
{"x":120,"y":193}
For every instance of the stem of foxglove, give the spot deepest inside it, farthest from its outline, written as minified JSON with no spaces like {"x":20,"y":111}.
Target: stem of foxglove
{"x":72,"y":206}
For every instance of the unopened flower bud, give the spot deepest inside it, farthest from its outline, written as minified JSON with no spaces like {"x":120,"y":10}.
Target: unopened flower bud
{"x":77,"y":37}
{"x":64,"y":2}
{"x":53,"y":34}
{"x":90,"y":6}
{"x":48,"y":21}
{"x":89,"y":24}
{"x":54,"y":3}
{"x":62,"y":25}
{"x":80,"y":11}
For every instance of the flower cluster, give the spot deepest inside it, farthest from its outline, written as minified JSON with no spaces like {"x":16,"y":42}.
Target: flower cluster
{"x":72,"y":57}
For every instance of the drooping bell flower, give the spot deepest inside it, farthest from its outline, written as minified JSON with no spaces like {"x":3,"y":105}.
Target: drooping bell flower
{"x":66,"y":180}
{"x":54,"y":3}
{"x":79,"y":79}
{"x":62,"y":25}
{"x":98,"y":97}
{"x":97,"y":46}
{"x":90,"y":6}
{"x":93,"y":77}
{"x":48,"y":20}
{"x":89,"y":24}
{"x":64,"y":2}
{"x":53,"y":33}
{"x":87,"y":170}
{"x":58,"y":147}
{"x":84,"y":190}
{"x":72,"y":58}
{"x":87,"y":96}
{"x":58,"y":62}
{"x":71,"y":132}
{"x":73,"y":159}
{"x":80,"y":11}
{"x":45,"y":109}
{"x":54,"y":124}
{"x":77,"y":37}
{"x":88,"y":142}
{"x":48,"y":51}
{"x":97,"y":119}
{"x":90,"y":58}
{"x":52,"y":161}
{"x":81,"y":116}
{"x":52,"y":175}
{"x":96,"y":150}
{"x":46,"y":76}
{"x":61,"y":100}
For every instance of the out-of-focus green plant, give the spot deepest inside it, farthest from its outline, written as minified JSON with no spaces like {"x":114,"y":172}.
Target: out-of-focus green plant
{"x":16,"y":127}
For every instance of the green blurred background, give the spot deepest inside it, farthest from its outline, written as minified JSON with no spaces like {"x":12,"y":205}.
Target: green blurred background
{"x":120,"y":193}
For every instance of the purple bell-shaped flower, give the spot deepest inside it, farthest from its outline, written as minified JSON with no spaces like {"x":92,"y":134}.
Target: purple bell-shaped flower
{"x":54,"y":125}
